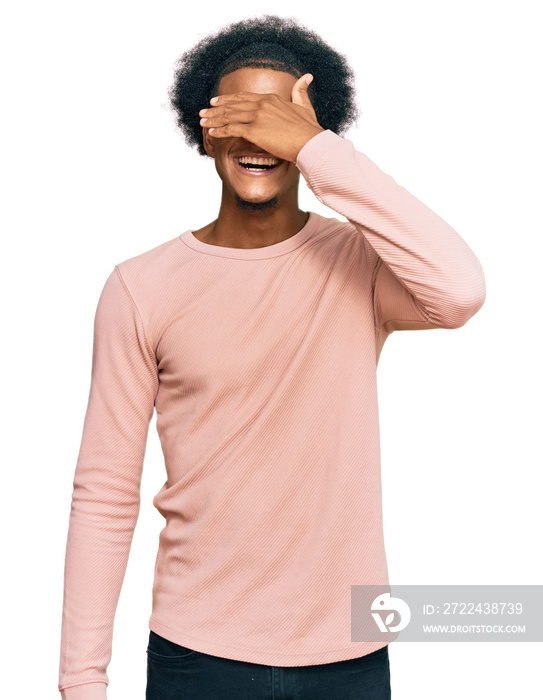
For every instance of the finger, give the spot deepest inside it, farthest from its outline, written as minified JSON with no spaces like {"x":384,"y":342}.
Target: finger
{"x":299,"y":92}
{"x":236,"y":97}
{"x":234,"y":129}
{"x":229,"y":107}
{"x":230,"y":117}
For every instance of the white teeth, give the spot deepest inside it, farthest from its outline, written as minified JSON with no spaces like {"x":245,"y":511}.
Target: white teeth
{"x":258,"y":161}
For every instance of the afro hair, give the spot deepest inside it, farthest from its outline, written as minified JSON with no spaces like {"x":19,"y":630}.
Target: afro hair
{"x":266,"y":42}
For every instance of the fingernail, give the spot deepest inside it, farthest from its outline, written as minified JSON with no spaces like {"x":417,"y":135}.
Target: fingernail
{"x":308,"y":79}
{"x":202,"y":111}
{"x":202,"y":121}
{"x":213,"y":100}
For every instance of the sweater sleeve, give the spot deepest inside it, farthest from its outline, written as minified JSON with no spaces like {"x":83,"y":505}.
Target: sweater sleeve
{"x":106,"y":490}
{"x":424,"y":274}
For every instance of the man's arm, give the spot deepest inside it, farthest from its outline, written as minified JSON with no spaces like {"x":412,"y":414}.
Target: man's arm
{"x":106,"y":490}
{"x":424,"y":274}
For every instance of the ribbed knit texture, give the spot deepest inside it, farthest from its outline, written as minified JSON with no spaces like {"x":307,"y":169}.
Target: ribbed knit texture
{"x":261,"y":364}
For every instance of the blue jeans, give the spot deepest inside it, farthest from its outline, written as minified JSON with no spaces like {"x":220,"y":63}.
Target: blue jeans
{"x":179,"y":673}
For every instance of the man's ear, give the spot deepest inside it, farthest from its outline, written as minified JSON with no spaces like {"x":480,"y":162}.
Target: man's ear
{"x":209,"y":142}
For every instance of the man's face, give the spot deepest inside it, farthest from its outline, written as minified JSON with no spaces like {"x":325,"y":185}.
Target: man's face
{"x":254,"y":186}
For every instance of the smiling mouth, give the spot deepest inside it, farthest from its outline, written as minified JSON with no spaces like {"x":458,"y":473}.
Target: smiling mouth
{"x":257,"y":164}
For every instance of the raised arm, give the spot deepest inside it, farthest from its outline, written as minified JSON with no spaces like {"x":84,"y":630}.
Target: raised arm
{"x":424,"y":274}
{"x":106,"y":490}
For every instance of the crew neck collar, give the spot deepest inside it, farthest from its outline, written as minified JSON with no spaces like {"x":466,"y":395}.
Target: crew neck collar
{"x":268,"y":251}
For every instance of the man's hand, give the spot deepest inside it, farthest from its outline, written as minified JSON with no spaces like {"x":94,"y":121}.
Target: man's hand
{"x":276,"y":126}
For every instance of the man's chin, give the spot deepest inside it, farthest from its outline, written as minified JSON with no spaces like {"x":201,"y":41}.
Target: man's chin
{"x":256,"y":206}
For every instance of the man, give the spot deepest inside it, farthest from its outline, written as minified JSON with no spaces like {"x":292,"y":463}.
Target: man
{"x":256,"y":338}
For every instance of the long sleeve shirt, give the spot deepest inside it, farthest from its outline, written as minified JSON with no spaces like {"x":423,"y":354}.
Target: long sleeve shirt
{"x":261,"y":366}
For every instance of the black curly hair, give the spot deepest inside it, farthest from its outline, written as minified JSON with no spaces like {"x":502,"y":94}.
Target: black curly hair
{"x":266,"y":42}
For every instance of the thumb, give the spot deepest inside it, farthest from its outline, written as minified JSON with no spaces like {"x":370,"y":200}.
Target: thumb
{"x":299,"y":92}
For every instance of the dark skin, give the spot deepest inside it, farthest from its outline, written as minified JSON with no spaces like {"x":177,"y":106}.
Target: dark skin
{"x":264,"y":113}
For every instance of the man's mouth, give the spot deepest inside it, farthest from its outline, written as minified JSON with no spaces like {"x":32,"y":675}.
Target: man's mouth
{"x":257,"y":164}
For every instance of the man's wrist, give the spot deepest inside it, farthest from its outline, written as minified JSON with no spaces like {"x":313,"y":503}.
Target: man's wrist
{"x":316,"y":149}
{"x":308,"y":135}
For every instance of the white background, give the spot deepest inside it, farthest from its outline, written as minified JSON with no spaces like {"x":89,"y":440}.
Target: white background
{"x":94,"y":172}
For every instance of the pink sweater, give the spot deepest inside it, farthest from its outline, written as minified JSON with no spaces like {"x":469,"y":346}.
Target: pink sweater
{"x":261,"y":365}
